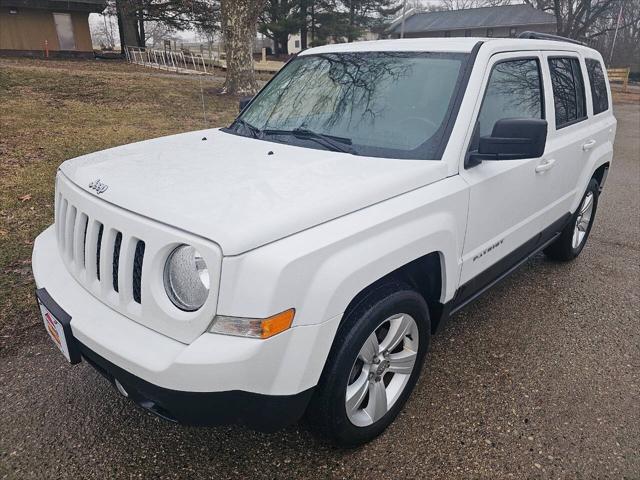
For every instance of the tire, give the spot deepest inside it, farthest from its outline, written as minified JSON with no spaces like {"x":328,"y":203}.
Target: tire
{"x":573,"y":239}
{"x":376,"y":316}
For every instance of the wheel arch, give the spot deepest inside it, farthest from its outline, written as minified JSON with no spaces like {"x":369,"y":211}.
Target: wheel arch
{"x":425,"y":274}
{"x":600,"y":174}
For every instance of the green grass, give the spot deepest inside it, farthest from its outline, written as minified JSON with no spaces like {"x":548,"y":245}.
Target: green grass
{"x":54,"y":110}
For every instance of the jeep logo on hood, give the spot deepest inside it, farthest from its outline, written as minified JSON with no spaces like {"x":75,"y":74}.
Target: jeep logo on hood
{"x":98,"y":186}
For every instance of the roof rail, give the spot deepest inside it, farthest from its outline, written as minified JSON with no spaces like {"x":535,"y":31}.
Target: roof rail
{"x":548,"y":36}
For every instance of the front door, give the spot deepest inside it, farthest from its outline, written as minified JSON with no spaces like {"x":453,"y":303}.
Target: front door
{"x":506,"y":197}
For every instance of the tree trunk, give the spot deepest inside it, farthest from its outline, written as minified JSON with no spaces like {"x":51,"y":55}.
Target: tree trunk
{"x":239,"y":19}
{"x":142,"y":36}
{"x":313,"y":23}
{"x":282,"y":41}
{"x":120,"y":29}
{"x":303,"y":24}
{"x":128,"y":24}
{"x":352,"y":18}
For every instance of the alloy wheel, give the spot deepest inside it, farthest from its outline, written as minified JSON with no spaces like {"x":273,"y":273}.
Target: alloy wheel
{"x":382,"y":369}
{"x":583,"y":220}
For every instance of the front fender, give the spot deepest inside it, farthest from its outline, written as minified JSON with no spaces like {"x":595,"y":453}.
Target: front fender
{"x":320,"y":270}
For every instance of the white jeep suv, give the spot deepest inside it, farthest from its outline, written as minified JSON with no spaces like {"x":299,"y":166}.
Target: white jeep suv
{"x":298,"y":261}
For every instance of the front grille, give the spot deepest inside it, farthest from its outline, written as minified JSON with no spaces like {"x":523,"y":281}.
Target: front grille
{"x":85,"y":240}
{"x":117,"y":257}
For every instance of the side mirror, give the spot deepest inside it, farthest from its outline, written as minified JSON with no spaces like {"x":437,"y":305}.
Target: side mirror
{"x":511,"y":139}
{"x":244,"y":101}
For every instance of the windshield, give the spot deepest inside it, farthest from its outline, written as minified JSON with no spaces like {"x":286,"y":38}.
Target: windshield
{"x":382,"y":104}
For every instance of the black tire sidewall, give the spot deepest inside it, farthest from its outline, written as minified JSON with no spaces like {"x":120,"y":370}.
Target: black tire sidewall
{"x":351,"y":335}
{"x":562,"y":248}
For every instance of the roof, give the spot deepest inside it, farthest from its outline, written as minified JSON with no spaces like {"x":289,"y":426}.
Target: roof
{"x":463,"y":45}
{"x":488,"y":17}
{"x":453,"y":44}
{"x":58,"y":5}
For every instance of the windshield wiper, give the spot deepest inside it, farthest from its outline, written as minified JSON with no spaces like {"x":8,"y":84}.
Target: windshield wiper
{"x":255,"y":131}
{"x":335,"y":144}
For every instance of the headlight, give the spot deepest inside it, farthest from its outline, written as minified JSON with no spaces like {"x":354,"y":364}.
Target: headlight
{"x":186,"y":278}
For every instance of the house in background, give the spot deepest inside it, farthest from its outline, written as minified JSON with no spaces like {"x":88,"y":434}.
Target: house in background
{"x":501,"y":21}
{"x":26,"y":26}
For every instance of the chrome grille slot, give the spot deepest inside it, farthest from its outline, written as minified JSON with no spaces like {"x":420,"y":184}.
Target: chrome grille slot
{"x":99,"y":249}
{"x":137,"y":272}
{"x":116,"y":260}
{"x":62,"y":223}
{"x":84,"y":226}
{"x":69,"y":230}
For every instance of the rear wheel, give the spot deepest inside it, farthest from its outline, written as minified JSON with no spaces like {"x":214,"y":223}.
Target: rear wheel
{"x":373,"y":365}
{"x":574,"y":236}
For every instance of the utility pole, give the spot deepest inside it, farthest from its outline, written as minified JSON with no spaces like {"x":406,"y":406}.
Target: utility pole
{"x":404,"y":10}
{"x":615,"y":35}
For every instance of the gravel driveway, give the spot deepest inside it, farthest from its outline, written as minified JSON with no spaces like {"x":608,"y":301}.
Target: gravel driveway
{"x":538,"y":379}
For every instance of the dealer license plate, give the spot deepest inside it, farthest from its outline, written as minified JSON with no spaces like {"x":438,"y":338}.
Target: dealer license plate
{"x":58,"y":326}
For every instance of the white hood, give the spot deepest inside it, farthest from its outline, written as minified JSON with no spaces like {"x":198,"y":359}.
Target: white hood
{"x":239,"y":192}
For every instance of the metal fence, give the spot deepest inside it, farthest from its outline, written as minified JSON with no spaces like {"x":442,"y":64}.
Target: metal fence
{"x":174,"y":61}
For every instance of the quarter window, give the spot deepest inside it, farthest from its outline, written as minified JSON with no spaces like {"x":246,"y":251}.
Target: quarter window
{"x":514,"y":91}
{"x":568,"y":90}
{"x":598,"y":86}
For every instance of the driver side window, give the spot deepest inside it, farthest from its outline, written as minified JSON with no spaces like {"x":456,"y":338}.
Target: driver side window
{"x":514,"y":90}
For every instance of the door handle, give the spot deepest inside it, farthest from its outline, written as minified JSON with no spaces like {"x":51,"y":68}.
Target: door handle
{"x":545,"y":165}
{"x":589,"y":145}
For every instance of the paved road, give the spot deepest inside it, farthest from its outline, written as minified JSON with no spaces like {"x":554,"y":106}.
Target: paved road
{"x":539,"y":379}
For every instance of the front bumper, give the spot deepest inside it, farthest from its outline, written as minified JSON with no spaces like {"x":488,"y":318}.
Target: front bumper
{"x":266,"y":413}
{"x":231,"y":378}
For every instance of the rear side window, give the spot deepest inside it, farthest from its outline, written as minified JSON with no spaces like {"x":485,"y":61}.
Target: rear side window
{"x":514,"y":91}
{"x":568,"y":90}
{"x":598,"y":86}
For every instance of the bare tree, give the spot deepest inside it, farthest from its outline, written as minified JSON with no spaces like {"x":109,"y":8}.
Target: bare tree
{"x":581,"y":19}
{"x":239,"y":20}
{"x":464,"y":4}
{"x":106,"y":31}
{"x":156,"y":32}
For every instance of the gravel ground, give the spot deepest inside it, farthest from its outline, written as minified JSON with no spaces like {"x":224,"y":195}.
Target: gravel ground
{"x":538,"y":379}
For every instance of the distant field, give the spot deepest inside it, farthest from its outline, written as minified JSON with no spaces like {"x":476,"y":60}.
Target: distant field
{"x":54,"y":110}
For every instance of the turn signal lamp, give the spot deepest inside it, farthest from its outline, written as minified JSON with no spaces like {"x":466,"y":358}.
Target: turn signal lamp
{"x":253,"y":327}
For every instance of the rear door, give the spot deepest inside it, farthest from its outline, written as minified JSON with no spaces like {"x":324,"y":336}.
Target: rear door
{"x":602,"y":124}
{"x":569,"y":139}
{"x":505,"y":200}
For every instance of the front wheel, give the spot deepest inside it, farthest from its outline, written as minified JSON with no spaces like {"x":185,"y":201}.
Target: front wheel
{"x":373,"y":366}
{"x":574,"y":236}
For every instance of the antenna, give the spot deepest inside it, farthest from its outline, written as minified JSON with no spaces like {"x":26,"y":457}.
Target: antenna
{"x":204,"y":110}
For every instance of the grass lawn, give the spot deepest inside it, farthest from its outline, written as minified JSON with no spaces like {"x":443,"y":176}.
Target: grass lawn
{"x":54,"y":110}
